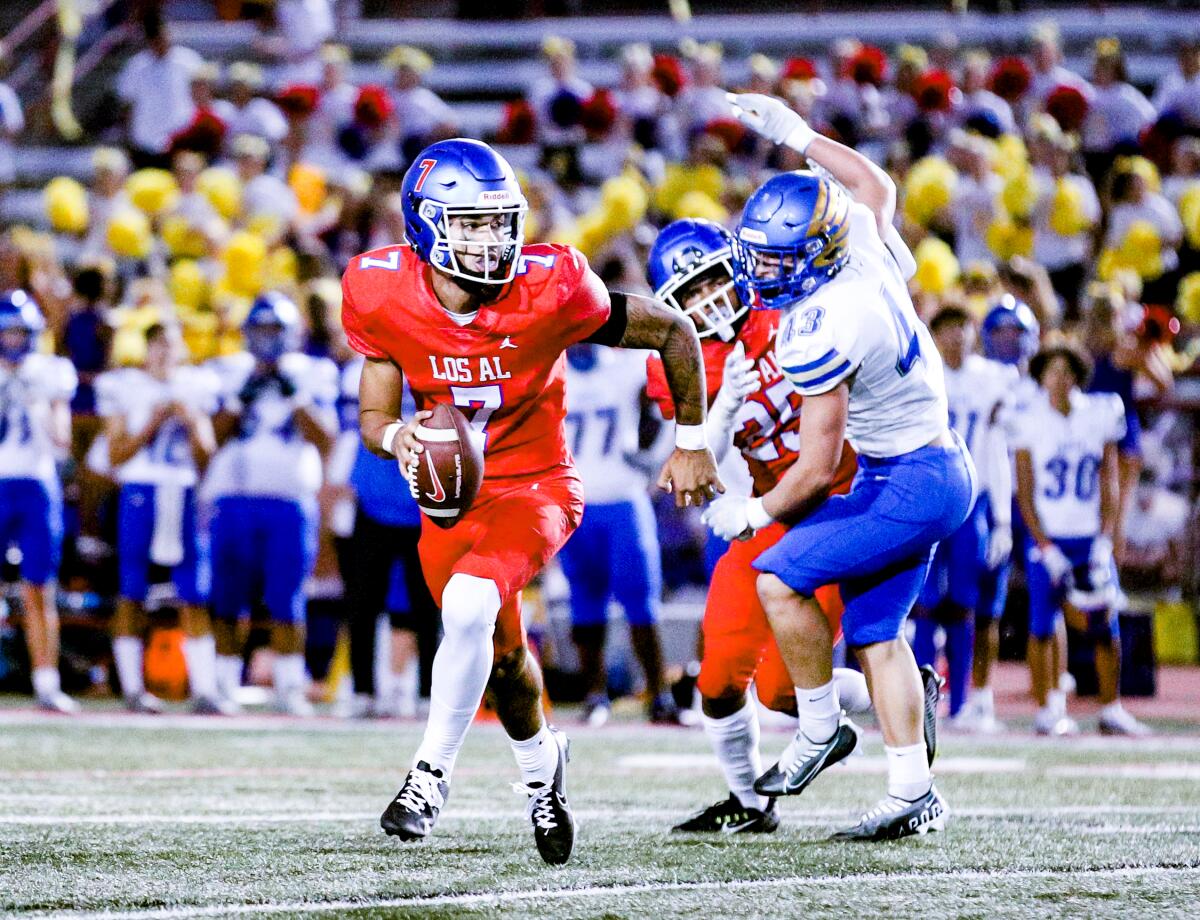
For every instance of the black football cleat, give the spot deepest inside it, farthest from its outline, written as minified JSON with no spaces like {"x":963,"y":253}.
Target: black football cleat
{"x":414,"y":811}
{"x":730,"y":816}
{"x":893,"y":818}
{"x":804,"y":760}
{"x":933,"y":683}
{"x":553,"y":823}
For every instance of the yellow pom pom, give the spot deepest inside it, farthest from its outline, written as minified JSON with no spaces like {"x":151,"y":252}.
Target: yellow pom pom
{"x":66,"y":205}
{"x":283,"y":268}
{"x":1007,"y":238}
{"x":679,"y":179}
{"x":699,"y":205}
{"x":937,"y":267}
{"x":129,"y":235}
{"x":624,"y":200}
{"x":152,"y":190}
{"x":187,"y":284}
{"x":308,"y":183}
{"x":1107,"y":265}
{"x":183,"y":241}
{"x":1187,"y":302}
{"x":223,"y":190}
{"x":1020,"y":195}
{"x":1012,"y":158}
{"x":1066,"y":209}
{"x":1140,"y":166}
{"x":267,"y":226}
{"x":1141,"y":250}
{"x":928,"y":189}
{"x":245,"y":261}
{"x":1189,"y":213}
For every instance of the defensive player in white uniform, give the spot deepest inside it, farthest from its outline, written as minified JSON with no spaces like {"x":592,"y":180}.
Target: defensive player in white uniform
{"x":277,"y":421}
{"x":1067,"y":487}
{"x":977,"y":389}
{"x":35,"y":430}
{"x":614,"y":553}
{"x":852,"y":345}
{"x":159,"y":432}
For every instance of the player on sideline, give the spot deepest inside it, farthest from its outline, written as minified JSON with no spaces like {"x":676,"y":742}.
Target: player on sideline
{"x":1067,"y":484}
{"x":978,"y":390}
{"x":159,"y":431}
{"x":751,"y":407}
{"x":35,"y":429}
{"x":853,"y":346}
{"x":469,"y":316}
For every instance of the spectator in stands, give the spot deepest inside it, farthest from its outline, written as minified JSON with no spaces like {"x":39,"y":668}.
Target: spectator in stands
{"x":642,"y":106}
{"x":87,"y":335}
{"x":979,"y":105}
{"x":106,"y":197}
{"x":1118,"y":111}
{"x":422,"y":115}
{"x":1178,"y":92}
{"x":703,"y":101}
{"x":1048,"y":70}
{"x":263,"y":194}
{"x":301,"y":28}
{"x":898,"y":99}
{"x":156,"y":86}
{"x":1066,"y":213}
{"x":1135,"y":201}
{"x":1185,"y":169}
{"x":246,"y":112}
{"x":973,"y":207}
{"x":12,"y":123}
{"x":206,"y":132}
{"x":335,"y":109}
{"x":557,"y":102}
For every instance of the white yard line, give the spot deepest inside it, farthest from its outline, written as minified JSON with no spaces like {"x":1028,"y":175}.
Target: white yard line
{"x":1163,"y":771}
{"x":874,"y":766}
{"x":614,"y":891}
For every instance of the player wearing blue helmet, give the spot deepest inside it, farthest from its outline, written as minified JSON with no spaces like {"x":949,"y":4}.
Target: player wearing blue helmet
{"x":277,"y":420}
{"x":695,"y":257}
{"x":1010,"y":332}
{"x":820,"y":246}
{"x":468,"y":315}
{"x":35,"y":431}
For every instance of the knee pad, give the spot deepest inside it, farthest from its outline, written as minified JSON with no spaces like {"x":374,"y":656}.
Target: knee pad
{"x":470,"y":606}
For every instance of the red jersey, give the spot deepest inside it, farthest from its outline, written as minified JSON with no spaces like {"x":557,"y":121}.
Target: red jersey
{"x":505,"y":369}
{"x":767,"y":428}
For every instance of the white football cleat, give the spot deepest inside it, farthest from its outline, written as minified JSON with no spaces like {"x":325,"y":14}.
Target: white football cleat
{"x":1115,"y":719}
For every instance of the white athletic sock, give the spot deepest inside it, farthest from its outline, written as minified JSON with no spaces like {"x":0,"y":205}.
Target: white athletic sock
{"x":537,"y":757}
{"x":852,"y":690}
{"x":229,"y":675}
{"x":289,"y":674}
{"x":128,"y":654}
{"x":735,"y":740}
{"x":819,"y":709}
{"x":461,"y":667}
{"x":908,"y":771}
{"x":1056,"y":702}
{"x":200,"y":653}
{"x":46,"y":682}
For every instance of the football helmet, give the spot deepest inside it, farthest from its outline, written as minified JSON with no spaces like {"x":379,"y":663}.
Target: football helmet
{"x":464,"y":212}
{"x":685,"y":252}
{"x":794,"y":237}
{"x":272,"y":327}
{"x":1010,"y":331}
{"x":19,"y":312}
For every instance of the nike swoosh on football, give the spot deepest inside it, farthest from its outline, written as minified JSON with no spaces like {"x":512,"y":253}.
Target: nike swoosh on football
{"x":440,"y":494}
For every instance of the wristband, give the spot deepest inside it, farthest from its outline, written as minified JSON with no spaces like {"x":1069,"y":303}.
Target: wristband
{"x":389,"y":435}
{"x":802,"y":135}
{"x":756,"y":514}
{"x":690,"y":437}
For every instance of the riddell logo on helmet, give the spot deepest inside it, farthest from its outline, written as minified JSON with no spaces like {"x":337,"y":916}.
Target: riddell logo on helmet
{"x":500,"y":197}
{"x":750,"y":235}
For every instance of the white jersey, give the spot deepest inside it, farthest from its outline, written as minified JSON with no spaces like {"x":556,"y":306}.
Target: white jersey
{"x":268,"y":457}
{"x":133,"y":395}
{"x":862,"y":326}
{"x":1067,"y":453}
{"x":978,"y":393}
{"x":27,"y":395}
{"x":602,"y":424}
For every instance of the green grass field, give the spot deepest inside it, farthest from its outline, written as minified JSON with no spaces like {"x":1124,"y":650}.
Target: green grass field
{"x":176,"y":818}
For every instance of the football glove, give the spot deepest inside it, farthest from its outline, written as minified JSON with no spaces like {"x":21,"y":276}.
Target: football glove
{"x":1000,"y":544}
{"x":1055,"y":562}
{"x":772,"y":119}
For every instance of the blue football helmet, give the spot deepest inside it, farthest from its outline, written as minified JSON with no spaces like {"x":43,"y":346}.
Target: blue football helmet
{"x":1010,"y":331}
{"x":19,"y":311}
{"x":464,"y":212}
{"x":793,"y":238}
{"x":272,"y":327}
{"x":689,"y":251}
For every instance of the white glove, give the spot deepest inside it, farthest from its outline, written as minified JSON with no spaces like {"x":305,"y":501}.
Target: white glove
{"x":1100,"y":558}
{"x":999,"y":548}
{"x":1056,"y":564}
{"x":731,"y":516}
{"x":738,"y":381}
{"x":772,"y":119}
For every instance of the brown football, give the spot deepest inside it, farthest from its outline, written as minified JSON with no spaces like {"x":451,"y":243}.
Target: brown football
{"x":451,"y":468}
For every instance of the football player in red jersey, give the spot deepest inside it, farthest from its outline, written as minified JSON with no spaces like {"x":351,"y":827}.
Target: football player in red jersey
{"x":470,"y":316}
{"x":754,"y":408}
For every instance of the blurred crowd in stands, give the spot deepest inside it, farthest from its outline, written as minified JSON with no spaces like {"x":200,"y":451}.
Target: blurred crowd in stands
{"x":1077,"y":192}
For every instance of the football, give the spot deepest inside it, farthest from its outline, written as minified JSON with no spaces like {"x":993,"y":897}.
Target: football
{"x":451,"y":468}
